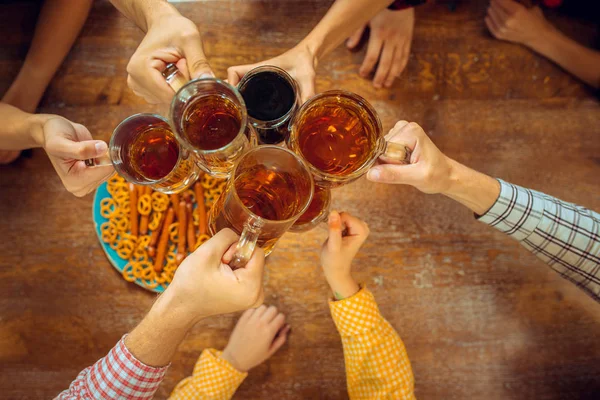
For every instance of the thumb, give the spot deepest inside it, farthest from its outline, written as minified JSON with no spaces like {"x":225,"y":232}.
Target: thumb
{"x":196,"y":61}
{"x":391,"y":173}
{"x":538,"y":11}
{"x":307,"y":88}
{"x":66,"y":148}
{"x":235,"y":74}
{"x":334,"y":241}
{"x":354,"y":40}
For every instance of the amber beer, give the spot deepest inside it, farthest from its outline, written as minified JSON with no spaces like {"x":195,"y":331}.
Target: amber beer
{"x":144,"y":151}
{"x":209,"y":118}
{"x":340,"y":136}
{"x":317,"y":211}
{"x":269,"y":189}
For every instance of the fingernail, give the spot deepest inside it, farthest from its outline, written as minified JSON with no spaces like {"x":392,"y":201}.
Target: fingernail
{"x":373,"y":174}
{"x":333,"y":216}
{"x":101,"y":148}
{"x":206,"y":75}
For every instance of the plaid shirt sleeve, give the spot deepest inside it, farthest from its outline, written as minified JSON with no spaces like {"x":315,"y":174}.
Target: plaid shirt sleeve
{"x":119,"y":375}
{"x":377,"y":365}
{"x":213,"y":378}
{"x":563,"y":235}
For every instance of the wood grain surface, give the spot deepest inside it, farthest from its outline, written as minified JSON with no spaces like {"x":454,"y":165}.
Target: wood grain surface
{"x":480,"y":316}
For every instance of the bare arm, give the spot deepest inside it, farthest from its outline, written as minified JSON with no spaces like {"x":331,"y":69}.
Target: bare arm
{"x":579,"y":60}
{"x":143,"y":12}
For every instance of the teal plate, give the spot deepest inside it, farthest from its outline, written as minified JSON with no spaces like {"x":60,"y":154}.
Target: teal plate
{"x":113,"y":257}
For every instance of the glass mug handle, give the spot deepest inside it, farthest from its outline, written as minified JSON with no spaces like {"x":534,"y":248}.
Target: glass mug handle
{"x":396,"y":153}
{"x":174,"y":77}
{"x":245,"y":247}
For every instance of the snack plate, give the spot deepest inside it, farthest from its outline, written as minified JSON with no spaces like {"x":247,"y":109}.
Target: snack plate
{"x":113,"y":257}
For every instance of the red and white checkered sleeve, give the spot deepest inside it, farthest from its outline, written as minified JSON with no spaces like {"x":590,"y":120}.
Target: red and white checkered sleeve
{"x":377,"y":365}
{"x":213,"y":378}
{"x":118,"y":375}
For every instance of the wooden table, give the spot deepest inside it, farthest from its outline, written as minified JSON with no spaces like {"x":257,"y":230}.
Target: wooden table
{"x":481,"y":317}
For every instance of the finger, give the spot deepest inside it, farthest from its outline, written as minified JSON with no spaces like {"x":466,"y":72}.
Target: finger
{"x":235,"y":74}
{"x":392,"y":173}
{"x":197,"y":63}
{"x":228,"y":256}
{"x":406,"y":133}
{"x":334,"y":240}
{"x":253,"y":270}
{"x":495,"y":17}
{"x":354,"y":40}
{"x":398,"y":65}
{"x":509,"y":6}
{"x":258,"y":312}
{"x":220,"y":243}
{"x":280,"y":339}
{"x":277,"y":322}
{"x":87,"y":178}
{"x":354,"y":226}
{"x":155,"y":90}
{"x":246,"y":316}
{"x":494,"y":29}
{"x":385,"y":65}
{"x":499,"y":11}
{"x":372,"y":56}
{"x":307,"y":87}
{"x":269,"y":314}
{"x":70,"y":150}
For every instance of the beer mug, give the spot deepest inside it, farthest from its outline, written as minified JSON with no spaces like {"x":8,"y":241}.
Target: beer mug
{"x":269,"y":189}
{"x":209,"y":117}
{"x":339,"y":135}
{"x":272,"y":98}
{"x":144,"y":151}
{"x":317,"y":211}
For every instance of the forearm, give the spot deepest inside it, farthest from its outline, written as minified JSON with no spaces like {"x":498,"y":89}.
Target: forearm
{"x":20,"y":130}
{"x":475,"y":190}
{"x":341,"y":20}
{"x":377,"y":365}
{"x":144,"y":12}
{"x":570,"y":55}
{"x":155,"y":340}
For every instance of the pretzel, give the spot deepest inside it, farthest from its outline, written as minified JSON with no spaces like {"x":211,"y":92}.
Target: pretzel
{"x":160,"y":201}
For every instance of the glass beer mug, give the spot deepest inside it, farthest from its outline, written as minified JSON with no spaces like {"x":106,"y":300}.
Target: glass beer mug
{"x":209,"y":118}
{"x":339,"y":135}
{"x":144,"y":151}
{"x":269,"y":189}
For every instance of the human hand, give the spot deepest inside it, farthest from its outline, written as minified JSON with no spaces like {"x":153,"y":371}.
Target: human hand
{"x":68,"y":144}
{"x":513,"y":22}
{"x":429,"y":169}
{"x":258,"y":334}
{"x":171,"y":38}
{"x":346,"y":236}
{"x":205,"y":284}
{"x":299,"y":62}
{"x":389,"y":43}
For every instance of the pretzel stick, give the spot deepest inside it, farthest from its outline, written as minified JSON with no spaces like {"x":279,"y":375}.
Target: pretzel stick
{"x":163,"y":242}
{"x":155,"y":236}
{"x":201,"y":207}
{"x":181,"y":253}
{"x":191,"y":234}
{"x":175,"y":204}
{"x":133,"y":211}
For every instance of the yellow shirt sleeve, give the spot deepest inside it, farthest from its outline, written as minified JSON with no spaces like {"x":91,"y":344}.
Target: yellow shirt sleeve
{"x":213,"y":378}
{"x":377,"y":366}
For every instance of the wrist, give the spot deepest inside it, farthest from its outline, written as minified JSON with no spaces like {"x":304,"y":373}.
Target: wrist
{"x":229,"y":357}
{"x":545,"y":41}
{"x":343,"y":287}
{"x":175,"y":311}
{"x":162,"y":10}
{"x":35,"y":128}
